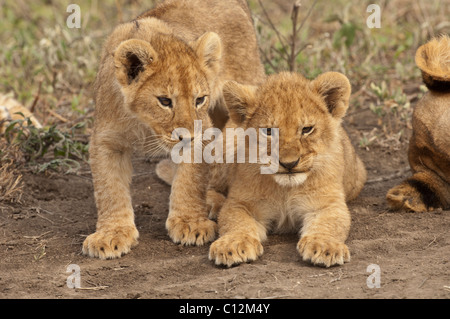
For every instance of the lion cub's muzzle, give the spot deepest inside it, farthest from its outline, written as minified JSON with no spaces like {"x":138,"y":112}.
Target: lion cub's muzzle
{"x":289,"y":166}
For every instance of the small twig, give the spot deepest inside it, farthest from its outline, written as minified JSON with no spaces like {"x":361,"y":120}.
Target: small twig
{"x":339,"y":278}
{"x":93,"y":288}
{"x":320,"y":275}
{"x":38,"y":215}
{"x":280,"y":37}
{"x":276,"y":297}
{"x":294,"y":18}
{"x":59,"y":117}
{"x":423,"y":282}
{"x":269,"y":61}
{"x":36,"y":98}
{"x":289,"y":48}
{"x":400,"y":173}
{"x":307,"y":16}
{"x":78,"y":120}
{"x":434,"y":240}
{"x":37,"y":237}
{"x":301,"y":49}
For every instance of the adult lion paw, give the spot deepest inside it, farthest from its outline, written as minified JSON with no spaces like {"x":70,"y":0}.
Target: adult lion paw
{"x":323,"y":251}
{"x":111,"y":243}
{"x":235,"y":249}
{"x":406,"y":197}
{"x":188,"y":230}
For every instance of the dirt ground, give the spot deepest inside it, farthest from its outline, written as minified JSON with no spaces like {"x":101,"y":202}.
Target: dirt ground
{"x":40,"y":238}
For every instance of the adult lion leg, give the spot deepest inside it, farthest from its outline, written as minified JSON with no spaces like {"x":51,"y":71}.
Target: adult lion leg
{"x":188,"y":221}
{"x":423,"y":192}
{"x":116,"y":232}
{"x":323,"y":235}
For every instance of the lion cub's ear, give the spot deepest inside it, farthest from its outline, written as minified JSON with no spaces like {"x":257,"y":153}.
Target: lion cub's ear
{"x":240,"y":100}
{"x":335,"y":89}
{"x":131,"y":59}
{"x":209,"y":50}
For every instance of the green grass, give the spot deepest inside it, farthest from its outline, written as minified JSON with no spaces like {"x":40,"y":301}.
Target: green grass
{"x":50,"y":68}
{"x":378,"y":62}
{"x":61,"y":149}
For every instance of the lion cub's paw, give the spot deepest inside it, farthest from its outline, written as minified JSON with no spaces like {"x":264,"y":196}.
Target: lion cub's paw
{"x":111,"y":243}
{"x":230,"y":250}
{"x":188,"y":230}
{"x":406,"y":197}
{"x":323,"y":251}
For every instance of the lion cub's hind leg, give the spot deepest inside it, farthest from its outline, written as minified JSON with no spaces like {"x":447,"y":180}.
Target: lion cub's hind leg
{"x":166,"y":170}
{"x":215,"y":201}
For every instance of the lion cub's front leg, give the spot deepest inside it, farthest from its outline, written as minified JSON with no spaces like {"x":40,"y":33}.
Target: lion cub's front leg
{"x":323,"y":236}
{"x":240,"y":239}
{"x":188,"y":221}
{"x":116,"y":232}
{"x":235,"y":248}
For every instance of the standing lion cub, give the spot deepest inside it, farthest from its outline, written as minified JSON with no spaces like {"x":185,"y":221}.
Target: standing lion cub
{"x":318,"y":171}
{"x":157,"y":73}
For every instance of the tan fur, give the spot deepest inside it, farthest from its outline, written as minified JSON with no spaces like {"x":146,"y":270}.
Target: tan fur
{"x":433,"y":58}
{"x":182,"y":50}
{"x":9,"y":109}
{"x":429,"y":148}
{"x":312,"y":199}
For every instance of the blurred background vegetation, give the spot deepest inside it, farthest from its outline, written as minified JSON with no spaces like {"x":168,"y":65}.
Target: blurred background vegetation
{"x":49,"y":68}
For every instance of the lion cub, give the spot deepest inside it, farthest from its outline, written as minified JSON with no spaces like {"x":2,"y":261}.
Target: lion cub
{"x":318,"y":170}
{"x":159,"y":72}
{"x":429,"y":147}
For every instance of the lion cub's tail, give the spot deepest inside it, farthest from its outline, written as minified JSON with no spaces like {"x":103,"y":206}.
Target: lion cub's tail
{"x":433,"y":58}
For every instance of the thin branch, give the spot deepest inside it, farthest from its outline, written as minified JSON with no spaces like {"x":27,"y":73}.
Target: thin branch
{"x":289,"y":48}
{"x":280,"y":37}
{"x":301,"y":49}
{"x":307,"y":16}
{"x":294,"y":18}
{"x":266,"y":58}
{"x":400,"y":173}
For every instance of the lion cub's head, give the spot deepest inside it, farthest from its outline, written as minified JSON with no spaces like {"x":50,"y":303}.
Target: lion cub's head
{"x":307,"y":113}
{"x":168,"y":83}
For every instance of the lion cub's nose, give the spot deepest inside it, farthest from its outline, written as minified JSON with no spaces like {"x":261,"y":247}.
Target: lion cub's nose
{"x":289,"y":165}
{"x":181,"y":137}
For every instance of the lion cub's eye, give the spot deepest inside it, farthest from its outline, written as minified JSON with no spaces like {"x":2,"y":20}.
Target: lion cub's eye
{"x":307,"y":130}
{"x":165,"y":101}
{"x":267,"y":131}
{"x":199,"y":101}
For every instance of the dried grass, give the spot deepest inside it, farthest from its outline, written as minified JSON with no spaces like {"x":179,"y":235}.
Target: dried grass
{"x":11,"y":183}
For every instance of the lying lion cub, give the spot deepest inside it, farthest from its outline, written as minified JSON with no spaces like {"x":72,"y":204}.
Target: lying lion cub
{"x":318,"y":170}
{"x":429,"y":147}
